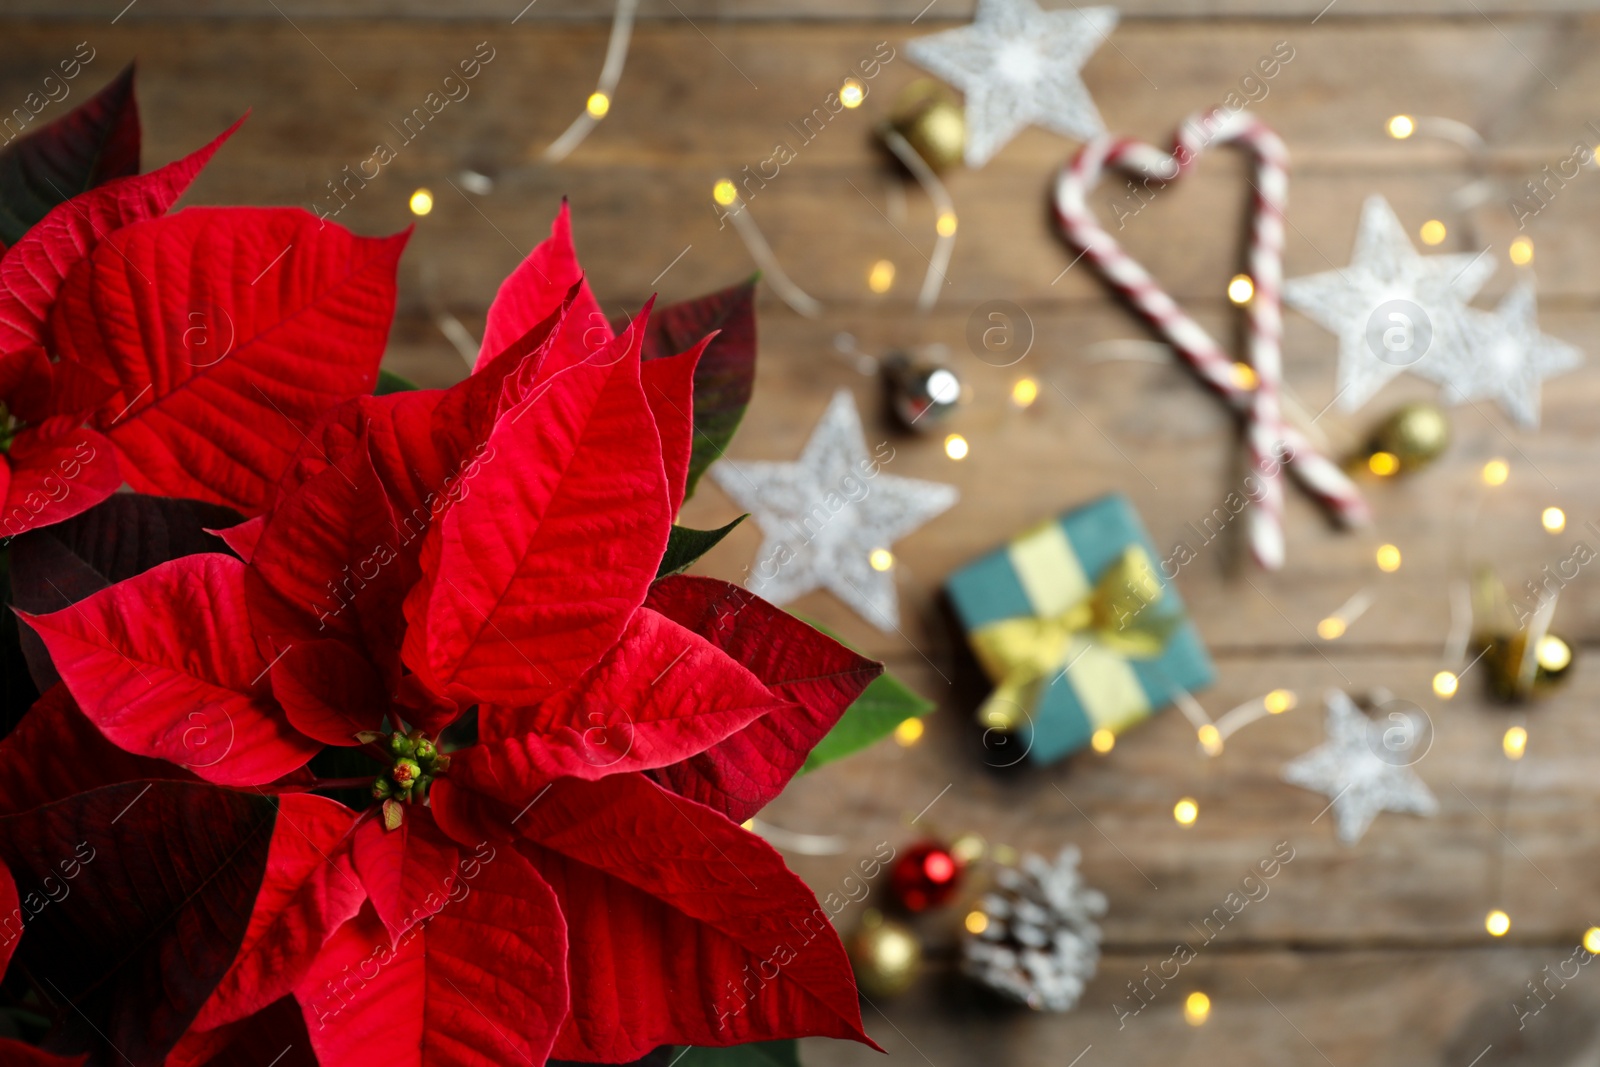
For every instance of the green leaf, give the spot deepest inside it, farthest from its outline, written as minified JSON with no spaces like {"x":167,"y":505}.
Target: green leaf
{"x":882,"y":706}
{"x":760,"y":1054}
{"x":88,"y":146}
{"x":686,"y":545}
{"x":726,"y":373}
{"x":390,"y":382}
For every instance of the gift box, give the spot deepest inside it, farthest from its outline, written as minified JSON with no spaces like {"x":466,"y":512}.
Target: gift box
{"x":1079,"y":629}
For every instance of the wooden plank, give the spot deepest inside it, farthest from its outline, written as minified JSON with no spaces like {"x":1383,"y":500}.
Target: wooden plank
{"x":1412,"y":883}
{"x":725,"y":11}
{"x":1378,"y":1009}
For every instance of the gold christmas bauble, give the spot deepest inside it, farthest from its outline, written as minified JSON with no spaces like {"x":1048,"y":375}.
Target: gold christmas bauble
{"x":885,"y":954}
{"x":1516,"y":672}
{"x":1416,"y":435}
{"x":927,"y":116}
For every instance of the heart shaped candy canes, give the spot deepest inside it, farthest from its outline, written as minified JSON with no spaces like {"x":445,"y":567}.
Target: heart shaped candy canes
{"x":1271,"y":443}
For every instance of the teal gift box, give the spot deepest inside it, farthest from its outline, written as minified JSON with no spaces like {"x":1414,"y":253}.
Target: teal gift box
{"x":1077,"y":627}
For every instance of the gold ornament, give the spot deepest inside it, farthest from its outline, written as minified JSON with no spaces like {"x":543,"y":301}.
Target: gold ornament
{"x":927,"y":115}
{"x":1415,"y":435}
{"x":885,"y":954}
{"x":1521,"y":657}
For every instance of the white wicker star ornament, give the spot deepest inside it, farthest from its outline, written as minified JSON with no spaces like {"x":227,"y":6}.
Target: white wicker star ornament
{"x":1017,"y":66}
{"x":830,"y":519}
{"x":1506,"y":357}
{"x":1364,"y":767}
{"x":1393,"y":309}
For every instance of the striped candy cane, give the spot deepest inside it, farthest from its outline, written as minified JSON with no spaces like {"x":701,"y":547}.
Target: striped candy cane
{"x":1271,"y":443}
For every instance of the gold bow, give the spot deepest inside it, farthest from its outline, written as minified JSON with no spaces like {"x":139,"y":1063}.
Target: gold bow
{"x":1020,"y":653}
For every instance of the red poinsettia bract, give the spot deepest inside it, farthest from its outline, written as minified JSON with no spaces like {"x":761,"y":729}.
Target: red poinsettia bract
{"x":462,"y":584}
{"x":186,"y":354}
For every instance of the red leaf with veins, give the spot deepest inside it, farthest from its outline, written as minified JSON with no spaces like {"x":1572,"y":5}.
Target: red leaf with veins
{"x":818,"y":675}
{"x":307,"y":892}
{"x":481,"y":984}
{"x":329,"y":691}
{"x":669,"y":388}
{"x":660,"y":695}
{"x":535,"y":572}
{"x":408,"y":873}
{"x":667,"y":903}
{"x":164,"y":664}
{"x":58,"y":470}
{"x":327,"y":564}
{"x":32,"y":271}
{"x":229,"y":331}
{"x":536,"y":289}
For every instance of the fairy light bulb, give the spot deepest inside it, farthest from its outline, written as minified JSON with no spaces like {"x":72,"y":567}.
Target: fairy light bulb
{"x":1383,"y":464}
{"x":1024,"y":392}
{"x":945,"y":226}
{"x":1591,"y":941}
{"x":1445,"y":685}
{"x":724,"y":192}
{"x":1241,"y":289}
{"x":597,"y":105}
{"x":1497,"y":923}
{"x":1196,"y":1009}
{"x":1102,"y":741}
{"x":1388,"y":557}
{"x":909,"y":732}
{"x":976,"y":922}
{"x":1245,"y":377}
{"x":881,"y":277}
{"x":880,"y":559}
{"x":851,"y":93}
{"x":1515,"y":743}
{"x":421,"y":202}
{"x":1210,"y":739}
{"x":1331,"y":629}
{"x":1552,"y":653}
{"x":1433,"y":232}
{"x":1522,"y":251}
{"x":1495,"y":472}
{"x":955,"y":446}
{"x":1553,"y":519}
{"x":1186,"y":811}
{"x":1401,"y":127}
{"x":1279,"y":701}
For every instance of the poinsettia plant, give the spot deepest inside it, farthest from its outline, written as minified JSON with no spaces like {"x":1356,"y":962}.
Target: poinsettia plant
{"x":404,"y":741}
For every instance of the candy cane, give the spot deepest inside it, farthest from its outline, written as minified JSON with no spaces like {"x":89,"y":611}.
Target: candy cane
{"x":1270,"y":442}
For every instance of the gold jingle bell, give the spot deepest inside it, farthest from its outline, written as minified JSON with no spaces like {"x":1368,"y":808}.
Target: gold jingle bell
{"x":885,"y":954}
{"x":927,"y":116}
{"x":1415,"y":435}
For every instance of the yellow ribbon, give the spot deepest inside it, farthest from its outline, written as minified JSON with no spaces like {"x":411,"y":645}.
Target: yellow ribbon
{"x":1115,"y":617}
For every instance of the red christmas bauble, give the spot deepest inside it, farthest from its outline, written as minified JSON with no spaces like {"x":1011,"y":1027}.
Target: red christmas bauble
{"x":925,"y":876}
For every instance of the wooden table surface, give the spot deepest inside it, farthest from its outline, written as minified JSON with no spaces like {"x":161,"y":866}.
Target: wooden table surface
{"x":1374,"y":954}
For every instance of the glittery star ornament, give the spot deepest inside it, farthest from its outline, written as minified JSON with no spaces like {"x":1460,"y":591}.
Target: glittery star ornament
{"x":1507,"y":357}
{"x":1364,"y":767}
{"x":1018,"y":65}
{"x":829,"y":520}
{"x":1393,"y":309}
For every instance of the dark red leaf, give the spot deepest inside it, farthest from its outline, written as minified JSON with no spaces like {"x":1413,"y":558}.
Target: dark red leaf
{"x":329,"y":691}
{"x":273,"y":1037}
{"x":138,"y":896}
{"x":229,"y":332}
{"x":55,"y":752}
{"x":90,"y":145}
{"x":817,"y":674}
